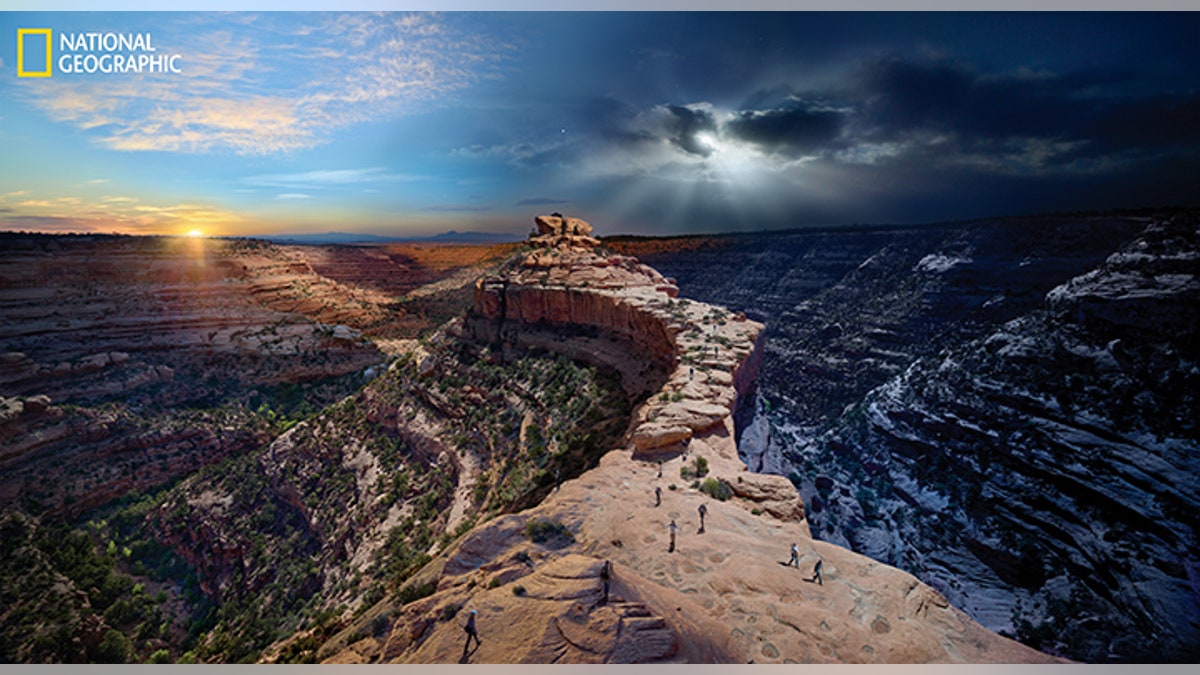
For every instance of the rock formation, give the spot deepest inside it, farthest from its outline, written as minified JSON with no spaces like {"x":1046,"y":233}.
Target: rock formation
{"x":1004,"y":408}
{"x":561,"y":232}
{"x":724,"y":595}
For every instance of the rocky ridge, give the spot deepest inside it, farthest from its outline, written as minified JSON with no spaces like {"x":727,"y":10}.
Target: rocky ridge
{"x":726,"y":594}
{"x":1000,"y":407}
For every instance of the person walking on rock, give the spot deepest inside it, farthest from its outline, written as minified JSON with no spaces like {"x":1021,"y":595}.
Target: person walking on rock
{"x":657,"y":496}
{"x":671,"y":528}
{"x":471,"y":632}
{"x":795,"y":559}
{"x":817,"y":573}
{"x":703,"y":510}
{"x":605,"y":576}
{"x":660,"y":468}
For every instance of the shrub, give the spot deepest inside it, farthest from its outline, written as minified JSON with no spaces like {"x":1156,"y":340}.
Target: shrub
{"x":717,"y":489}
{"x":697,"y":469}
{"x":113,"y":648}
{"x":450,"y":611}
{"x":410,"y":593}
{"x":379,"y":625}
{"x":541,"y":531}
{"x":519,"y":590}
{"x":494,"y":583}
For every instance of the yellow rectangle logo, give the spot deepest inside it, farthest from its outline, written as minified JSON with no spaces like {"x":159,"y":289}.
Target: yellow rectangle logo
{"x":21,"y":35}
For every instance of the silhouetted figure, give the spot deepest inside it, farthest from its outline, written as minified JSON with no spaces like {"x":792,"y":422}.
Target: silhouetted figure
{"x":660,"y":468}
{"x":605,"y":576}
{"x":671,"y":528}
{"x":703,"y":510}
{"x":795,"y":559}
{"x":471,"y":632}
{"x":657,"y":496}
{"x":691,"y":372}
{"x":817,"y":573}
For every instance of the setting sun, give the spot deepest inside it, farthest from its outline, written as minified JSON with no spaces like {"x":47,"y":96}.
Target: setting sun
{"x":195,"y":233}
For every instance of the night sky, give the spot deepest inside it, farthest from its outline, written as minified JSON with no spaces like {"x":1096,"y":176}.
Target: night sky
{"x":658,"y":123}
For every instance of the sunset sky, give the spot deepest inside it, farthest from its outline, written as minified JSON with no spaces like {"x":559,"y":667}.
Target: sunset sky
{"x":414,"y":124}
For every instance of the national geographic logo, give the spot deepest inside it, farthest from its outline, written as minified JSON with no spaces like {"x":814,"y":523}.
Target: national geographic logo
{"x":90,"y":53}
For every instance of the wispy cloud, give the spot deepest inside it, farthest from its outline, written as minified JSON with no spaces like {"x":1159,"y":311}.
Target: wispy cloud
{"x":250,"y":86}
{"x":328,"y":178}
{"x":291,"y":196}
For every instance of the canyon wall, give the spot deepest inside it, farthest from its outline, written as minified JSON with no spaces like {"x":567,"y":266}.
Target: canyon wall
{"x":684,"y":587}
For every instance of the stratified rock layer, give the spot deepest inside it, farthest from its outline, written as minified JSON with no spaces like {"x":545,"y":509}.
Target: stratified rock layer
{"x":722,"y":595}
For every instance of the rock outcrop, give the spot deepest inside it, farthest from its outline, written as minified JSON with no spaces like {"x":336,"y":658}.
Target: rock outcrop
{"x":562,"y":232}
{"x":721,"y":594}
{"x":1004,"y":408}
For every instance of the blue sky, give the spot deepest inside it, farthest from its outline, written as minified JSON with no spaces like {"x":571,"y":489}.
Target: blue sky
{"x":413,"y":124}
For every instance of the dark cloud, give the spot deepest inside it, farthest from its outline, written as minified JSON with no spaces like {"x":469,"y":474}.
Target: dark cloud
{"x":1092,"y":109}
{"x":684,"y":124}
{"x":778,"y":96}
{"x":798,"y":129}
{"x":1152,"y":123}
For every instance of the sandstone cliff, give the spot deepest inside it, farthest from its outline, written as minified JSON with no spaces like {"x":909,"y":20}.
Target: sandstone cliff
{"x":723,"y":595}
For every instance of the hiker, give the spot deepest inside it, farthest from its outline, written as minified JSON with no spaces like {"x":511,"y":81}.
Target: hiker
{"x":691,"y":372}
{"x":795,"y":559}
{"x":657,"y":496}
{"x":605,"y":575}
{"x":672,"y":527}
{"x":703,"y":510}
{"x":471,"y":632}
{"x":817,"y":573}
{"x":660,"y":468}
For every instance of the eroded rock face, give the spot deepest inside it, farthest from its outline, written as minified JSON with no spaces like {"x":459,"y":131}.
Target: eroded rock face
{"x":722,"y":595}
{"x":563,"y":232}
{"x":1002,"y":408}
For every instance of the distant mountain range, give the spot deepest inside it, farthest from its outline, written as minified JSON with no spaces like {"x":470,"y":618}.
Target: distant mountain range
{"x":451,"y":237}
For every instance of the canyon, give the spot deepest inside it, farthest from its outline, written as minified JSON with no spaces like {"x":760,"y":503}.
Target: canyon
{"x":975,"y":427}
{"x":1004,"y":408}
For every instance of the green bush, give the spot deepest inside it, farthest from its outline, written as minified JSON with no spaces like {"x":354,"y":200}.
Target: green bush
{"x":450,"y":611}
{"x":697,"y":469}
{"x":717,"y":489}
{"x":379,"y":625}
{"x":113,"y":648}
{"x":541,"y":531}
{"x":519,"y":590}
{"x":410,"y":593}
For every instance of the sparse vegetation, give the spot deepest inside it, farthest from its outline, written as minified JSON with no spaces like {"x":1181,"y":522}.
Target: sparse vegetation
{"x":716,"y":488}
{"x":547,"y":531}
{"x":697,"y":469}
